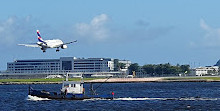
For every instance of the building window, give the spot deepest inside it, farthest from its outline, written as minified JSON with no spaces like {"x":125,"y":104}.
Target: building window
{"x":66,"y":65}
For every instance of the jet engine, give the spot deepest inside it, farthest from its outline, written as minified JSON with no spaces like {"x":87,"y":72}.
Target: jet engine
{"x":64,"y":46}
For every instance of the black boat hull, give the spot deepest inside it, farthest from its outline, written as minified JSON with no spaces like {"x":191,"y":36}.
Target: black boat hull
{"x":68,"y":96}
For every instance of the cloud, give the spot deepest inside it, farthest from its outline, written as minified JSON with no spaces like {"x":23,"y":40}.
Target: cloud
{"x":101,"y":29}
{"x":14,"y":29}
{"x":143,"y":33}
{"x":204,"y":26}
{"x":212,"y":35}
{"x":96,"y":29}
{"x":6,"y":30}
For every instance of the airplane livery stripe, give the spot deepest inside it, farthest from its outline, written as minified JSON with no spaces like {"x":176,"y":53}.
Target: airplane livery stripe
{"x":38,"y":34}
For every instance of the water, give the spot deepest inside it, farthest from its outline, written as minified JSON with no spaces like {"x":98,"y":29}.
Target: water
{"x":128,"y":96}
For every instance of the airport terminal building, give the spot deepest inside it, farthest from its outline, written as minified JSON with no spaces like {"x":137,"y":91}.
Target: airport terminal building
{"x":60,"y":66}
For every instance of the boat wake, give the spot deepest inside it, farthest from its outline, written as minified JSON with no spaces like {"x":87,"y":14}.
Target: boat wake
{"x":35,"y":98}
{"x":162,"y":99}
{"x":138,"y":99}
{"x":180,"y":99}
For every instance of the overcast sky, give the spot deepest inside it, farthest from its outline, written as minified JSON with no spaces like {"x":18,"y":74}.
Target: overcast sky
{"x":143,"y":31}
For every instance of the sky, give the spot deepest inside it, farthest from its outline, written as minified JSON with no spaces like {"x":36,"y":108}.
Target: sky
{"x":142,"y":31}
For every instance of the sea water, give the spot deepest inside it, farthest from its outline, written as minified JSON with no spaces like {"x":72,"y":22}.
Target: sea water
{"x":128,"y":96}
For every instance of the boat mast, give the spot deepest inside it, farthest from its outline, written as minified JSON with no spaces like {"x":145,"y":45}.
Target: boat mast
{"x":67,"y":75}
{"x":103,"y":83}
{"x":92,"y":90}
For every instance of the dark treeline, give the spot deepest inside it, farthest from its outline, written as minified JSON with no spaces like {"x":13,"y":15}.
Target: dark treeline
{"x":159,"y":69}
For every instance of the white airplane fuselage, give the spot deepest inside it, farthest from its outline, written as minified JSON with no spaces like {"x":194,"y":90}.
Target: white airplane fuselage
{"x":55,"y":43}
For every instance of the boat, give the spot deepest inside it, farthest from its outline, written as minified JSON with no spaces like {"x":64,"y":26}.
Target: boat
{"x":71,"y":90}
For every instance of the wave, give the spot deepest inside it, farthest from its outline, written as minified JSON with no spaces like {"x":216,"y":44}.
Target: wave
{"x":198,"y":98}
{"x":137,"y":99}
{"x":35,"y":98}
{"x":181,"y":99}
{"x":145,"y":98}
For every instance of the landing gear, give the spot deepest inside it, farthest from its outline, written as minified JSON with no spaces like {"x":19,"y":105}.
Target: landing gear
{"x":57,"y":50}
{"x":43,"y":49}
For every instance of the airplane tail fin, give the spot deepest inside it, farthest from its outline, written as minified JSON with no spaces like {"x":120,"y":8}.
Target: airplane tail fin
{"x":39,"y":37}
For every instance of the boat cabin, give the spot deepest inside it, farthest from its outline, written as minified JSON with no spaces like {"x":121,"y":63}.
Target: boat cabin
{"x":72,"y":87}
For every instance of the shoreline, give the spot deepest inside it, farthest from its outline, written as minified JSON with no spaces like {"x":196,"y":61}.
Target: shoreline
{"x":120,"y":80}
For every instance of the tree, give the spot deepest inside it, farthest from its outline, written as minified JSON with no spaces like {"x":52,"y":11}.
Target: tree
{"x":149,"y":69}
{"x":185,"y":68}
{"x":165,"y":69}
{"x":133,"y":67}
{"x":121,"y":65}
{"x":159,"y":69}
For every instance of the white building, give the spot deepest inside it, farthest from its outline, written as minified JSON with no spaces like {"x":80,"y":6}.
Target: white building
{"x":204,"y":71}
{"x":127,"y":64}
{"x":93,"y":65}
{"x":40,"y":66}
{"x":60,"y":66}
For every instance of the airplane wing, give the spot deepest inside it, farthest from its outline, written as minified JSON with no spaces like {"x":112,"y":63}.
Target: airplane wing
{"x":30,"y":45}
{"x":70,"y":42}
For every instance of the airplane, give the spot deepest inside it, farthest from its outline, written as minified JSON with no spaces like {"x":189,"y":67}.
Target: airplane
{"x":45,"y":44}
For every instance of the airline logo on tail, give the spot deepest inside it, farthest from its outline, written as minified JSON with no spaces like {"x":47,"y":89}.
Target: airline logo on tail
{"x":39,"y":37}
